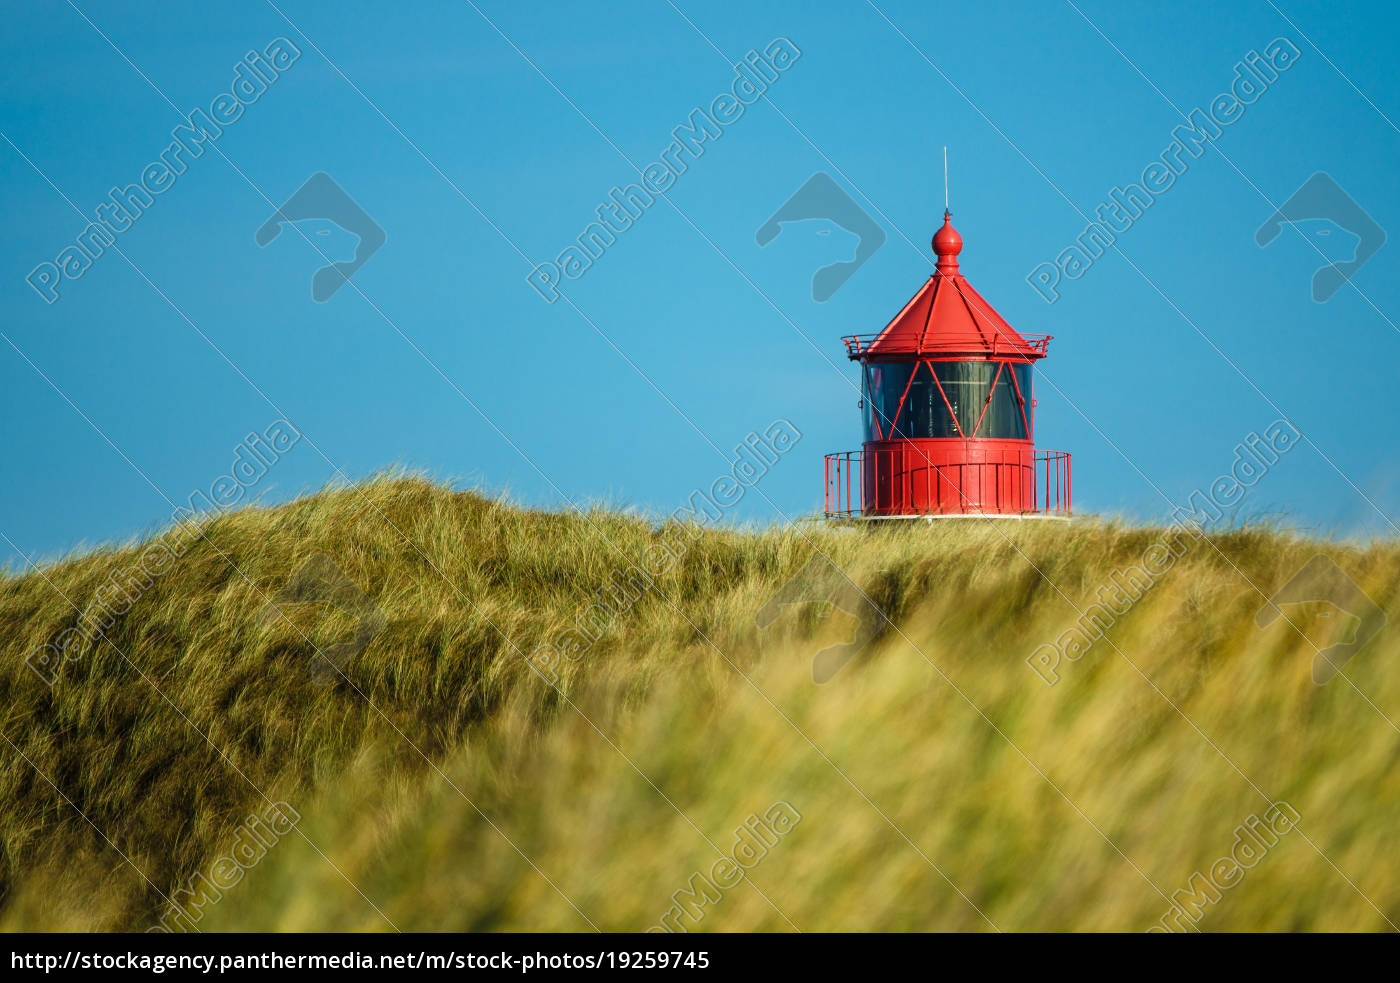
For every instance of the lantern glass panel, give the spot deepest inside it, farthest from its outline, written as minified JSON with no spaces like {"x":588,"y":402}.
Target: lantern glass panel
{"x":925,"y":411}
{"x":884,"y":385}
{"x":1023,"y":383}
{"x":1002,"y":418}
{"x":966,"y":385}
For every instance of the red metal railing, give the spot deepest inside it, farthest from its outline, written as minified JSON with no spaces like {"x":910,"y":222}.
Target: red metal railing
{"x":842,"y":469}
{"x":1051,"y":483}
{"x":858,"y":344}
{"x":1055,"y":483}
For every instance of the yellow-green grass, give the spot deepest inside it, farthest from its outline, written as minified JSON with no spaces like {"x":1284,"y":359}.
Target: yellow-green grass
{"x":442,"y":784}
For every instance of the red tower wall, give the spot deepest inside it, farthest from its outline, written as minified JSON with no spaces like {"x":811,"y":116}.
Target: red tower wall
{"x":947,"y":476}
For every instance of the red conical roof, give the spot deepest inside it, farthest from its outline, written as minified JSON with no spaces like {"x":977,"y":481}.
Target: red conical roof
{"x":947,"y":317}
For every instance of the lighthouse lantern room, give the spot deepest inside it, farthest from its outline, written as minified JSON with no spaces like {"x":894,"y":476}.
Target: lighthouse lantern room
{"x":948,"y":410}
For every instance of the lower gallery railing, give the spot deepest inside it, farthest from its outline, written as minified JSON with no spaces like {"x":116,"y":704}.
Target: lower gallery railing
{"x":1050,"y":487}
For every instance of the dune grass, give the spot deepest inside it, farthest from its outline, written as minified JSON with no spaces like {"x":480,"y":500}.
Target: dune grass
{"x":442,"y":783}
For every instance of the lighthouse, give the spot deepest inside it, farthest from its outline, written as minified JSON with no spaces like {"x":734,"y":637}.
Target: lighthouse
{"x":949,"y":413}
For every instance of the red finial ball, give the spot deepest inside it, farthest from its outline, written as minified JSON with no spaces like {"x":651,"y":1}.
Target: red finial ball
{"x":947,"y":243}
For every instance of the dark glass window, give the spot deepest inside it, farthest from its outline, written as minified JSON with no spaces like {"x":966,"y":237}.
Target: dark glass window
{"x":966,"y":384}
{"x":925,"y":413}
{"x":1003,"y":415}
{"x":885,"y":382}
{"x":1023,"y":381}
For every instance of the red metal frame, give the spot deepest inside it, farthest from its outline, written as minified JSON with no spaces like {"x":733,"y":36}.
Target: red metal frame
{"x":1036,"y":344}
{"x":1049,"y":475}
{"x":948,"y":405}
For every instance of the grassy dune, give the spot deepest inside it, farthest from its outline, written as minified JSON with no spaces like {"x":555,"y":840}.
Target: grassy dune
{"x":442,"y":784}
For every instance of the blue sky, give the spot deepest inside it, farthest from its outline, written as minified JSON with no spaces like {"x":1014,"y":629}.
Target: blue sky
{"x":499,"y":131}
